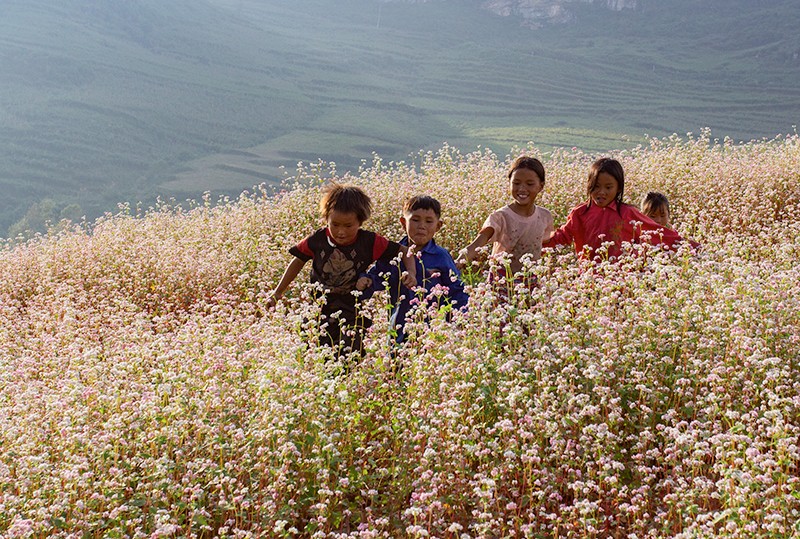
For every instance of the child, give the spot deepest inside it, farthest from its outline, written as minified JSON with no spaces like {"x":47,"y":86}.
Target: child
{"x":340,"y":252}
{"x":520,"y":227}
{"x":656,"y":206}
{"x":605,"y":218}
{"x":436,"y":270}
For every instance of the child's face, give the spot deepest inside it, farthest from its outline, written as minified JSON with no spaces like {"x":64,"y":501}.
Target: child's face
{"x":420,"y":226}
{"x":660,"y":216}
{"x":525,"y":185}
{"x":605,"y":189}
{"x":343,"y":226}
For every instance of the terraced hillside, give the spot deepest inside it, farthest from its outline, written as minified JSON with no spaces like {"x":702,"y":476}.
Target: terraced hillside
{"x":102,"y":102}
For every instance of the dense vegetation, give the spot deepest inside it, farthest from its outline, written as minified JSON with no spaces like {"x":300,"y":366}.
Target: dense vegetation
{"x":145,"y":392}
{"x":126,"y":100}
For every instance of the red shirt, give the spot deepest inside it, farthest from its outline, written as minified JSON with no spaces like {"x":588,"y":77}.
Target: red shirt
{"x":590,"y":228}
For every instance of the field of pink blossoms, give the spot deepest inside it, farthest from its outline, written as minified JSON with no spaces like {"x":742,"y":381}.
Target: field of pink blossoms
{"x":145,"y":393}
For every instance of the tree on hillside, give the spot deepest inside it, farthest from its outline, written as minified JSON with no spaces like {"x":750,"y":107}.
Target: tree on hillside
{"x":42,"y":215}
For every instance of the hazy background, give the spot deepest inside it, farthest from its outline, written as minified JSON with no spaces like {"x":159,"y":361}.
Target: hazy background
{"x":104,"y":101}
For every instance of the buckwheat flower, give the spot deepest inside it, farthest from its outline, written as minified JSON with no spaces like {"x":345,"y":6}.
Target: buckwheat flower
{"x":692,"y":399}
{"x":417,"y":531}
{"x":455,"y":527}
{"x":20,"y":527}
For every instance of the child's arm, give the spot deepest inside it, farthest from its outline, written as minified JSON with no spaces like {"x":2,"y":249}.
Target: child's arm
{"x":659,"y":234}
{"x":457,"y":295}
{"x":409,"y":278}
{"x":470,"y":252}
{"x":289,"y":275}
{"x":381,"y":276}
{"x":564,"y":235}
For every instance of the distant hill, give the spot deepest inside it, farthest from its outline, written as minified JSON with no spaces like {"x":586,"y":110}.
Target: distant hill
{"x":125,"y":100}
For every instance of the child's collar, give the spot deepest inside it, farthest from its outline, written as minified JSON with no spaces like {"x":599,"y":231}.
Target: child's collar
{"x":427,"y":247}
{"x":611,"y":205}
{"x":332,"y":242}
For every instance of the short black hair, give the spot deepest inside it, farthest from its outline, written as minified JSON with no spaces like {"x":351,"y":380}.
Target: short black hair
{"x":422,"y":202}
{"x":345,"y":199}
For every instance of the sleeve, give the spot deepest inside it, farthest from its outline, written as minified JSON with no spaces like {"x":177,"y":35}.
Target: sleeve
{"x":660,"y":235}
{"x":383,"y":249}
{"x":302,"y":250}
{"x":548,"y":225}
{"x":497,"y":223}
{"x":565,"y":235}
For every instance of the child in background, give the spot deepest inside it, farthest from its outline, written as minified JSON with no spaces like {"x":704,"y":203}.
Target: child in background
{"x":436,"y":271}
{"x":520,"y":227}
{"x":605,"y":218}
{"x":340,"y":252}
{"x":656,"y":206}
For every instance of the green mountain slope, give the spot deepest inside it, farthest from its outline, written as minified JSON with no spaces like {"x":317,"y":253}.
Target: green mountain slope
{"x":105,"y":101}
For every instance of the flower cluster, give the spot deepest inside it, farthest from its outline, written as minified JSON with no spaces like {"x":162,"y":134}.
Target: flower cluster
{"x":146,"y":392}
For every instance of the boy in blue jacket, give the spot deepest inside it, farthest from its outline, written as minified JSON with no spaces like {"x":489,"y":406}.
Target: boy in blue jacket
{"x":436,"y":270}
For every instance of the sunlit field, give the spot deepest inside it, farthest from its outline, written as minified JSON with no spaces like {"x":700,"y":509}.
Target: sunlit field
{"x":146,"y":392}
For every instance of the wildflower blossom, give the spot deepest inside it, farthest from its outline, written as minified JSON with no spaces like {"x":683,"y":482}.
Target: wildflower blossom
{"x":143,"y":390}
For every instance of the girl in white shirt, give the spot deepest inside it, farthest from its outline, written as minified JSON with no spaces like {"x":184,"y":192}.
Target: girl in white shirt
{"x":520,"y":227}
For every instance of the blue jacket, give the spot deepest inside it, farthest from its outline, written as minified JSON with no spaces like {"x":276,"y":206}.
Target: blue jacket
{"x":435,"y":267}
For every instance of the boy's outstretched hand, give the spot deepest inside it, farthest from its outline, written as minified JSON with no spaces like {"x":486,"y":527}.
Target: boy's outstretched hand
{"x":408,"y":280}
{"x":363,"y":283}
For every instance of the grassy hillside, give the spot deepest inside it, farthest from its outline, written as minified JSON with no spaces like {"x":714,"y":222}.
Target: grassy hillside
{"x":126,"y":100}
{"x":144,"y":391}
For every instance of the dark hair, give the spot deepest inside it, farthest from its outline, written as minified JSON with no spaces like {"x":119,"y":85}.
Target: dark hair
{"x":422,"y":202}
{"x":345,"y":199}
{"x":654,"y":201}
{"x":531,"y":163}
{"x":609,"y":166}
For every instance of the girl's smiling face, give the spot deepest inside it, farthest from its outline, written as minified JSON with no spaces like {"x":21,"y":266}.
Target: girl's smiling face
{"x":525,"y":185}
{"x":605,"y":189}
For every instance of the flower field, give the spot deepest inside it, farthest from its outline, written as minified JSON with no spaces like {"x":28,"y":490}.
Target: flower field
{"x":145,"y":392}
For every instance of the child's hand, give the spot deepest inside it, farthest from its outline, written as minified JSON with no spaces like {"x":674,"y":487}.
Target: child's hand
{"x":272,"y":300}
{"x":464,"y":258}
{"x":363,"y":283}
{"x":408,"y":280}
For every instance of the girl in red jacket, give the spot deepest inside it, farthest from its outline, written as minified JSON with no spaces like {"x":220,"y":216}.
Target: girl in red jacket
{"x":605,"y":218}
